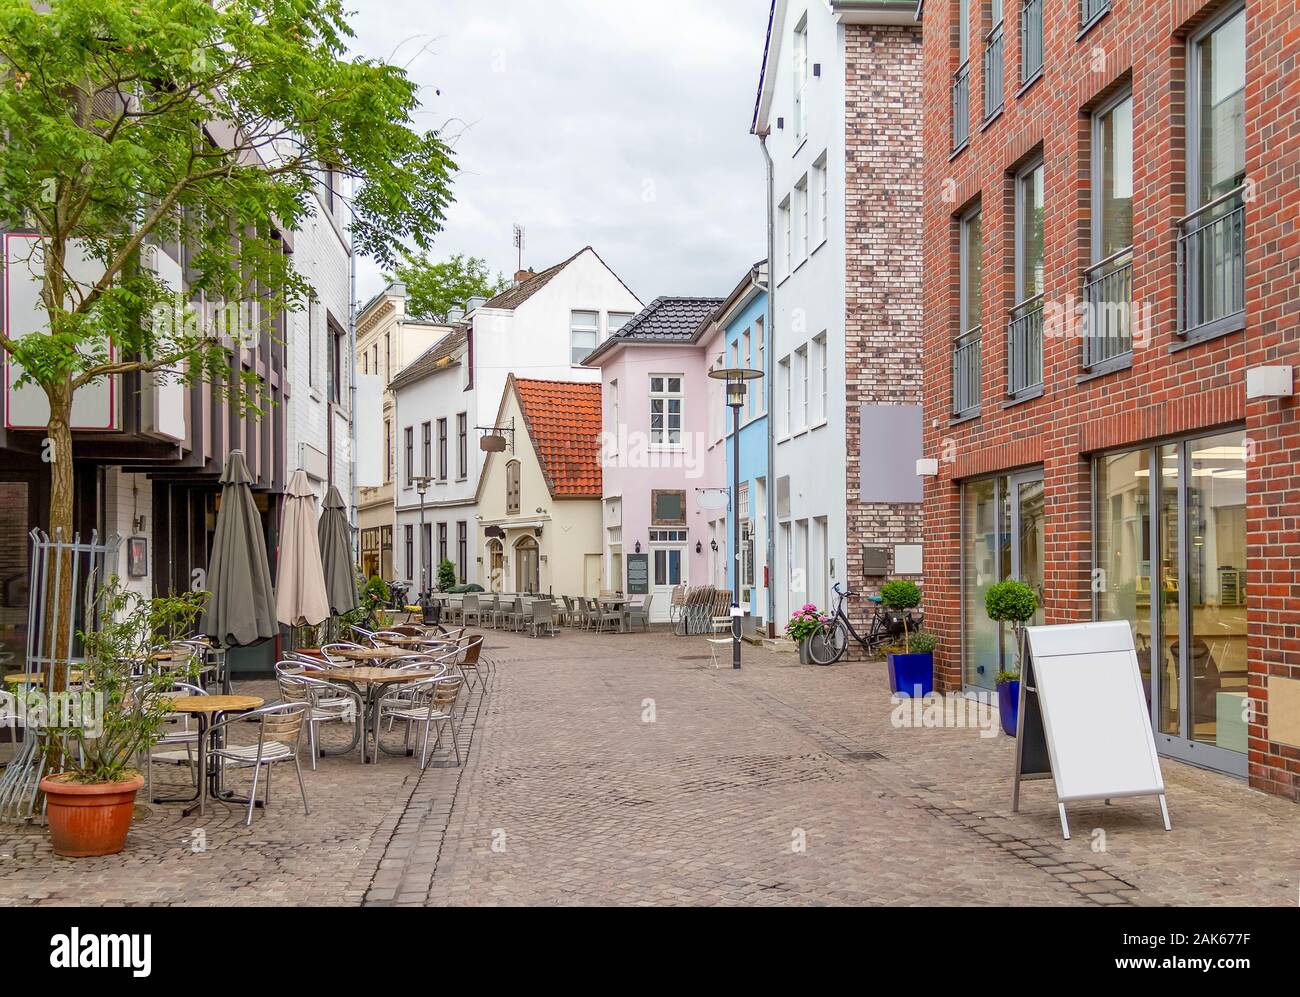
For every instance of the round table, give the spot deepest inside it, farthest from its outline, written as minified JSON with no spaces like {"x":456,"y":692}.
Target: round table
{"x":205,"y":708}
{"x":38,"y":678}
{"x":373,"y":653}
{"x":369,"y":683}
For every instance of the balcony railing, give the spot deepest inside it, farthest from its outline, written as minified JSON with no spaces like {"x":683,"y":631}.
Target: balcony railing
{"x":966,"y":372}
{"x":1108,"y":308}
{"x":1025,"y":347}
{"x":994,"y":66}
{"x":1031,"y":39}
{"x":961,"y":106}
{"x":1090,"y":10}
{"x":1212,"y":265}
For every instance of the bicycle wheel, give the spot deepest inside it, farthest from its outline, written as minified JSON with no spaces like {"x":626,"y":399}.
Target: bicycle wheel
{"x":827,"y":645}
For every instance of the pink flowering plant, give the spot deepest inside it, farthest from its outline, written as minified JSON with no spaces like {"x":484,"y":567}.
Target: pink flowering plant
{"x":805,"y":622}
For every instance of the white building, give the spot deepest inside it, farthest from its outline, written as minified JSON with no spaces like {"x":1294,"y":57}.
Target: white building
{"x":542,"y":327}
{"x":834,"y":107}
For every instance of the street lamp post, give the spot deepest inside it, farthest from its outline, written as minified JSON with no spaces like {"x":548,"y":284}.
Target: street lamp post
{"x":422,"y":486}
{"x":737,"y":379}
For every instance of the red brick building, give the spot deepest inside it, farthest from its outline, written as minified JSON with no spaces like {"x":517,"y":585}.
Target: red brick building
{"x":1112,"y":253}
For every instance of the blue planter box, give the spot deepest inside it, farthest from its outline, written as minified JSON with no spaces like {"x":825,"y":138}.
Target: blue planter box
{"x":911,"y":674}
{"x":1009,"y":707}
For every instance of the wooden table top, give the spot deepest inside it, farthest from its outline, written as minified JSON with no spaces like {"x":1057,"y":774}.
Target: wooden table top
{"x":17,"y":677}
{"x":406,"y":640}
{"x":216,"y":704}
{"x":374,"y":676}
{"x":372,"y":653}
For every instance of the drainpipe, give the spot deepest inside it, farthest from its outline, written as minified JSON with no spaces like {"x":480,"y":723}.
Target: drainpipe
{"x":769,"y":391}
{"x":354,"y":515}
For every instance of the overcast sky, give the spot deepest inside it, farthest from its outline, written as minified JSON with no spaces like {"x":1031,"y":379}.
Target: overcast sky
{"x":622,"y":124}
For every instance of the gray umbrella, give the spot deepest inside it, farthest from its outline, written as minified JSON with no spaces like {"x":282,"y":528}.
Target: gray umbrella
{"x":242,"y":607}
{"x":335,"y":535}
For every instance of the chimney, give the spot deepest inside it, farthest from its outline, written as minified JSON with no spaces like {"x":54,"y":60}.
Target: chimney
{"x":523,"y":275}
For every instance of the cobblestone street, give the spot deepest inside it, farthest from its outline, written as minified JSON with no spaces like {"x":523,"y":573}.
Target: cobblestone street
{"x":627,"y":770}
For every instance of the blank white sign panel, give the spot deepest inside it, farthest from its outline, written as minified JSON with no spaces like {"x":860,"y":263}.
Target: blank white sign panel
{"x":1094,"y":711}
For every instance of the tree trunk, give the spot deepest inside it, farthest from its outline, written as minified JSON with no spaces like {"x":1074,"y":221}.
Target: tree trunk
{"x":59,"y":595}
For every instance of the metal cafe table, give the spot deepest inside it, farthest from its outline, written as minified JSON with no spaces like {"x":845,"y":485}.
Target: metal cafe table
{"x":206,"y":708}
{"x":370,"y":683}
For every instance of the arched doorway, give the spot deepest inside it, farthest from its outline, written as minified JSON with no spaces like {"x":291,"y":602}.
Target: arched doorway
{"x":496,"y":566}
{"x":527,"y":573}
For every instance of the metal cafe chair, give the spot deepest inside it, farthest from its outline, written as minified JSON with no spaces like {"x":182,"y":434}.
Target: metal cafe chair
{"x":176,"y":731}
{"x":279,"y":736}
{"x":432,"y":702}
{"x":329,"y":702}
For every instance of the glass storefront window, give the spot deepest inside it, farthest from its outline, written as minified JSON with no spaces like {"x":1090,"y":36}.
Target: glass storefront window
{"x":1123,"y":578}
{"x":981,"y":569}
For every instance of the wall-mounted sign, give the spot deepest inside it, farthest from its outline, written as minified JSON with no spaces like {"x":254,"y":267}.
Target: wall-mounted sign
{"x":638,"y":573}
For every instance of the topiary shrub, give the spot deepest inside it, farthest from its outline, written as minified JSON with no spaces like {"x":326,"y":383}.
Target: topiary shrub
{"x":446,"y":575}
{"x":1013,"y":602}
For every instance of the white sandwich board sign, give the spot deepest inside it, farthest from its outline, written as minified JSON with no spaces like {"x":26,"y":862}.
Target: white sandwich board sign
{"x":1081,"y":698}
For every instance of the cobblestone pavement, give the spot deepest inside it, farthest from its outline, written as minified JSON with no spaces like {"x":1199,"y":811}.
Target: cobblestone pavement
{"x":625,"y":769}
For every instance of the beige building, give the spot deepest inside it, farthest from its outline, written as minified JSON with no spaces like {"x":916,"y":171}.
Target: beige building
{"x":539,"y":511}
{"x":386,"y":342}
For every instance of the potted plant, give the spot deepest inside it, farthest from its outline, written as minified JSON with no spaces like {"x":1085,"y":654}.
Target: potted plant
{"x":116,"y":716}
{"x":911,"y":665}
{"x":803,"y":624}
{"x":1014,"y":602}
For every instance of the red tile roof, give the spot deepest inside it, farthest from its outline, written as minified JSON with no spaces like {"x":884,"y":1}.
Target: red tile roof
{"x":563,"y":419}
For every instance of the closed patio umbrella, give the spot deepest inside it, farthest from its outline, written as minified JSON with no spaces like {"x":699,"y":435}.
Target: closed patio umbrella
{"x":242,"y":607}
{"x":335,"y":536}
{"x":300,"y":579}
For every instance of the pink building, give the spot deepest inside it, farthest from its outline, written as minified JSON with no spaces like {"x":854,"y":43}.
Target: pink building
{"x":664,"y":451}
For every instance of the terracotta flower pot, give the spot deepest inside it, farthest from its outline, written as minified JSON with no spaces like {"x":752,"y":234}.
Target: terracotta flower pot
{"x":89,"y":818}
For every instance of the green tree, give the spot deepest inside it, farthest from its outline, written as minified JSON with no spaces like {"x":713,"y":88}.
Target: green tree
{"x":130,"y":122}
{"x":433,"y":289}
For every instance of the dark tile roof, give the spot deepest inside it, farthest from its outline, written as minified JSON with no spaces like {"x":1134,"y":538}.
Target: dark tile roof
{"x":564,"y":421}
{"x":440,"y":354}
{"x":664,"y":320}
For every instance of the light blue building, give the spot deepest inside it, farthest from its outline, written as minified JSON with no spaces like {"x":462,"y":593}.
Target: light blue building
{"x":743,"y":318}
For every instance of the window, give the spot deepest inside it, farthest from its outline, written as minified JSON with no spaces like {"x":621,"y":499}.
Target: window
{"x":667,"y":536}
{"x":801,"y":200}
{"x":462,"y":550}
{"x":759,"y":337}
{"x":584,"y":328}
{"x":784,"y":385}
{"x":668,"y":566}
{"x":994,"y":63}
{"x":388,"y":356}
{"x":966,"y":347}
{"x":512,"y":488}
{"x":442,"y":543}
{"x":822,"y":192}
{"x":666,"y":410}
{"x":787,"y":238}
{"x":335,"y":356}
{"x":1211,"y":239}
{"x":747,"y":342}
{"x":617,"y":320}
{"x":668,"y":507}
{"x":462,"y":446}
{"x":801,"y":370}
{"x":1091,"y":10}
{"x":442,"y":449}
{"x":959,"y":89}
{"x":408,"y":551}
{"x":1108,"y":283}
{"x":613,"y":408}
{"x":1025,"y":332}
{"x":1031,"y":40}
{"x":823,"y":404}
{"x":374,"y":363}
{"x":801,"y":78}
{"x":410,"y":455}
{"x":425,"y":463}
{"x":311,"y":344}
{"x":388,"y":451}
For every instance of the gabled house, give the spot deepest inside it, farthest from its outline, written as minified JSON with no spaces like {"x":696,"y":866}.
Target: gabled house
{"x":664,"y":440}
{"x":541,"y":327}
{"x":538,"y":524}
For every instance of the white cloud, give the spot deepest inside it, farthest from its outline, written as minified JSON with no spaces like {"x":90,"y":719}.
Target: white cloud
{"x":614,"y":123}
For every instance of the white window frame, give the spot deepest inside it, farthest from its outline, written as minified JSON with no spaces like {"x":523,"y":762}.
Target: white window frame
{"x":610,"y":328}
{"x":747,"y":339}
{"x":664,"y":395}
{"x":801,"y":199}
{"x":801,"y":358}
{"x":821,"y":182}
{"x":823,"y":407}
{"x":592,"y":330}
{"x":787,"y":237}
{"x":800,"y":75}
{"x":785,"y":385}
{"x":760,"y":337}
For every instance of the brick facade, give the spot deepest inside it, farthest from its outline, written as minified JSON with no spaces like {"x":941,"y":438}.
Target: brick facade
{"x":1170,"y":387}
{"x":882,"y":272}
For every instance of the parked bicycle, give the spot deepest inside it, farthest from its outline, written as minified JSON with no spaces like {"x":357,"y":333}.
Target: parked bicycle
{"x":828,"y":644}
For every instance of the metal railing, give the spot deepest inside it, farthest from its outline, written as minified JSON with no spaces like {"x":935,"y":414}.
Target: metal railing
{"x":1092,"y":9}
{"x":1108,"y":308}
{"x":1212,"y":263}
{"x":994,"y":71}
{"x":966,"y":372}
{"x":1025,"y":346}
{"x":961,"y":106}
{"x":1031,"y":39}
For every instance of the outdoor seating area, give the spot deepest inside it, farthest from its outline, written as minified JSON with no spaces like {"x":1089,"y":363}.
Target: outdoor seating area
{"x":547,"y":615}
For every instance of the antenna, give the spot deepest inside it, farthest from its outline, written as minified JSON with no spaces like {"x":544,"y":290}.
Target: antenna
{"x":519,"y":245}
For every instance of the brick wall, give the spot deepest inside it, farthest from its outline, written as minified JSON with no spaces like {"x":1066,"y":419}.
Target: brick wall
{"x":1168,"y":389}
{"x":882,"y":273}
